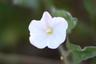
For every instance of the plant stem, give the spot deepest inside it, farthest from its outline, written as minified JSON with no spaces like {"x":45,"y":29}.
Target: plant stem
{"x":64,"y":54}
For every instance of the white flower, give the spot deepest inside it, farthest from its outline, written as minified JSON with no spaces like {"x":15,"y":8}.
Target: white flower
{"x":48,"y":32}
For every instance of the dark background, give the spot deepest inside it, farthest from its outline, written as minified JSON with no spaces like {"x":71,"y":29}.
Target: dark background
{"x":15,"y":16}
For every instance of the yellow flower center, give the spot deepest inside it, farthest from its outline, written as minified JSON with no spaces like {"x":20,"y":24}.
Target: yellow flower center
{"x":49,"y":31}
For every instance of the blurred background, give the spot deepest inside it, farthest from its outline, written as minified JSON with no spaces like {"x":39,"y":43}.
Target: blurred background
{"x":15,"y":16}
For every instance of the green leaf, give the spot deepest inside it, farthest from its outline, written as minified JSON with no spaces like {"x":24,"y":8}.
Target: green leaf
{"x":62,"y":13}
{"x":78,"y":54}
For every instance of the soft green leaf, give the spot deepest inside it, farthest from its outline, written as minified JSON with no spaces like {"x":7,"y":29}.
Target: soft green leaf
{"x":78,"y":54}
{"x":62,"y":13}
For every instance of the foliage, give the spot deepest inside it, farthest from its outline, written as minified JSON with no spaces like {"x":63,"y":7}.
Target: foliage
{"x":79,"y":54}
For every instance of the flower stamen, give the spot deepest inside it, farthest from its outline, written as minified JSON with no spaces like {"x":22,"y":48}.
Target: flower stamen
{"x":49,"y":31}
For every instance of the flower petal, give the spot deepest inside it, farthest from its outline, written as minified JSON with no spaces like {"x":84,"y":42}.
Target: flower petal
{"x":46,"y":17}
{"x":59,"y":22}
{"x":35,"y":26}
{"x":56,"y":40}
{"x":37,"y":35}
{"x":59,"y":26}
{"x":38,"y":41}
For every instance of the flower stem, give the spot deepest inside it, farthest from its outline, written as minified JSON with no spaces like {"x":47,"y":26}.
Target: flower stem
{"x":64,"y":55}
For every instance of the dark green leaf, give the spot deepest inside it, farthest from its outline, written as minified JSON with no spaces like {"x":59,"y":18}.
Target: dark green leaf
{"x":78,"y":54}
